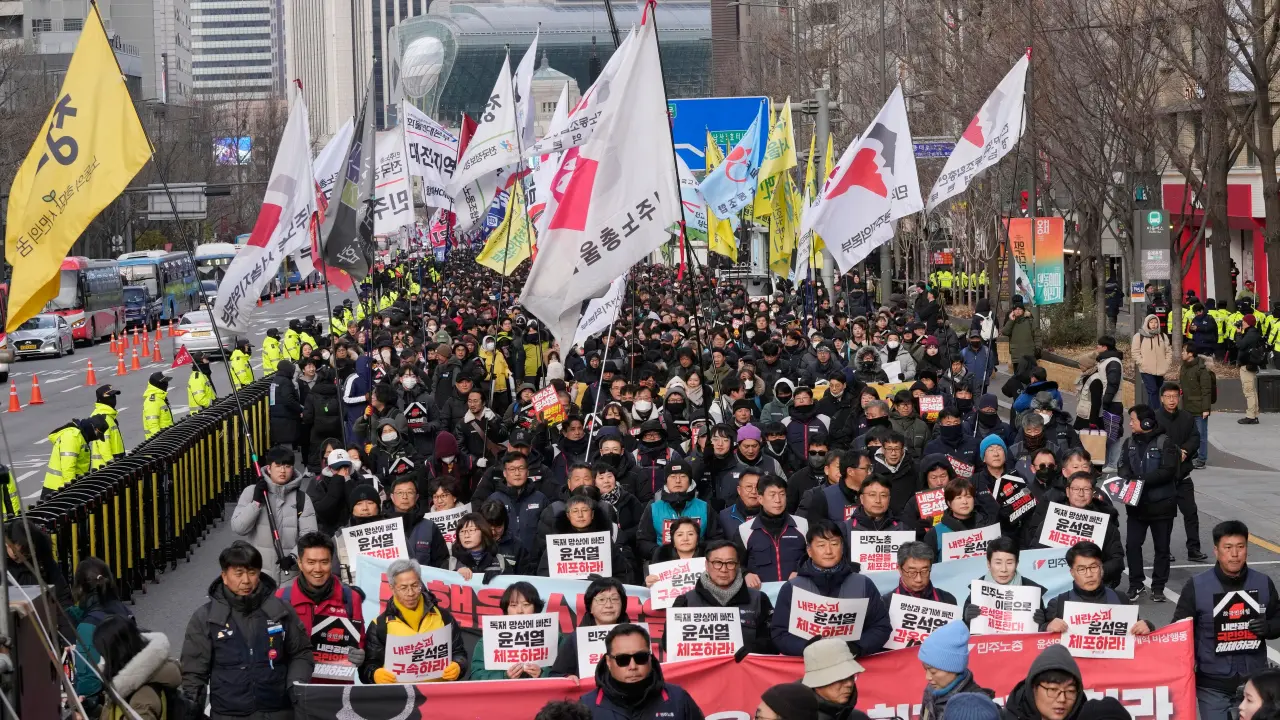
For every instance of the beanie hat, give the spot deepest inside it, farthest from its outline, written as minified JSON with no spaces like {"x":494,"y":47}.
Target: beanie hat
{"x":363,"y":491}
{"x":1250,"y":320}
{"x":987,"y":442}
{"x":971,"y":706}
{"x":947,"y":648}
{"x":791,"y":701}
{"x":748,"y":432}
{"x":988,"y":402}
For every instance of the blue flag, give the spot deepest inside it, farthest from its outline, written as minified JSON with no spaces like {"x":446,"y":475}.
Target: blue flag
{"x":732,"y":185}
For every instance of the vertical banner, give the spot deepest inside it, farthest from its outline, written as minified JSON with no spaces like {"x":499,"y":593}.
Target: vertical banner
{"x":694,"y":633}
{"x":1039,"y":265}
{"x":392,"y":191}
{"x":511,"y":640}
{"x":913,"y":619}
{"x":1004,"y":608}
{"x":1099,"y":631}
{"x":414,"y":658}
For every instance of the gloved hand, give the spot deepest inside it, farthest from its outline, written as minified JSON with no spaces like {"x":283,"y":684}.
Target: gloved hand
{"x":971,"y":613}
{"x":1258,"y":626}
{"x":383,"y":676}
{"x":452,"y":672}
{"x":356,"y":657}
{"x":288,"y":563}
{"x":260,"y":492}
{"x":1038,"y":616}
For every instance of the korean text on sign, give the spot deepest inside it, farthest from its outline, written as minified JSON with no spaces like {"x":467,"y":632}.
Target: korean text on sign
{"x":1065,"y":526}
{"x":878,"y":550}
{"x":675,"y":578}
{"x":1004,"y":608}
{"x":546,"y":402}
{"x":415,"y":658}
{"x":383,"y":540}
{"x":931,"y":504}
{"x":702,"y":633}
{"x":1232,"y":612}
{"x":591,"y":646}
{"x":912,"y":619}
{"x":578,"y":555}
{"x":447,"y":521}
{"x":511,"y":640}
{"x":969,"y":543}
{"x":1099,"y":631}
{"x":814,"y":615}
{"x":332,"y":640}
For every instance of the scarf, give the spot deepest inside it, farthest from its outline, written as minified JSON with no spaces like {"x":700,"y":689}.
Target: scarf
{"x":613,"y":495}
{"x":721,"y":595}
{"x":316,"y":595}
{"x":1017,"y":579}
{"x":694,"y":395}
{"x":773,"y":524}
{"x":412,"y":618}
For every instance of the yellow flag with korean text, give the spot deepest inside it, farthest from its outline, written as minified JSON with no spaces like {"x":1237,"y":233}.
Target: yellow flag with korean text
{"x":510,"y":243}
{"x":780,"y":152}
{"x":783,"y":224}
{"x":720,"y":237}
{"x":89,"y":148}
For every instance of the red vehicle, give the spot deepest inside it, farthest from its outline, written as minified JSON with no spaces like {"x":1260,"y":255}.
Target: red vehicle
{"x":91,"y":298}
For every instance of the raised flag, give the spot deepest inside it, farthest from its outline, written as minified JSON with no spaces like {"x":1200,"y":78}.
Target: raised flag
{"x":329,"y":161}
{"x":873,"y":185}
{"x":392,"y":191}
{"x":991,"y":134}
{"x":494,"y":148}
{"x":509,"y":243}
{"x":732,"y":185}
{"x":88,"y":149}
{"x":780,"y":153}
{"x":432,"y":154}
{"x":695,"y":209}
{"x":346,"y":232}
{"x":601,"y":312}
{"x":183,"y":357}
{"x":783,"y":221}
{"x":720,"y":237}
{"x":541,"y":199}
{"x":524,"y":91}
{"x":585,"y":115}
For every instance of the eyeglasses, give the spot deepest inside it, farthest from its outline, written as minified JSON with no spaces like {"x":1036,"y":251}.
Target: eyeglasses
{"x":723,"y":564}
{"x":916,"y":573}
{"x":1058,"y":693}
{"x":416,"y":587}
{"x":1088,"y":569}
{"x":405,"y":493}
{"x":607,"y":600}
{"x":624,"y":659}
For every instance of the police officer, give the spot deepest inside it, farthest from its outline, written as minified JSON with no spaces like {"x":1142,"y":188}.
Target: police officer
{"x":69,"y":455}
{"x":12,"y":502}
{"x":1223,"y":665}
{"x":241,"y":370}
{"x":112,"y":444}
{"x":292,"y":343}
{"x":271,"y":352}
{"x":156,"y":414}
{"x":200,"y":390}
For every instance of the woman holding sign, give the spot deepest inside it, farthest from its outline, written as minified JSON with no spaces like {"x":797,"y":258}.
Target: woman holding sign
{"x":405,"y":638}
{"x":581,"y":516}
{"x":963,"y":513}
{"x":605,"y":603}
{"x":476,"y":550}
{"x":684,"y":545}
{"x":518,"y":599}
{"x":1002,"y":569}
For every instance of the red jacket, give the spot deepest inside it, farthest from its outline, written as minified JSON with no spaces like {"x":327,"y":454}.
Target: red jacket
{"x":344,"y":601}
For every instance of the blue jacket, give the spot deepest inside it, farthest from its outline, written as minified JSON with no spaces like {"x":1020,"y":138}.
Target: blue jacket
{"x":773,"y":559}
{"x":1022,"y":403}
{"x":978,"y":365}
{"x":355,"y":391}
{"x":661,"y":699}
{"x":842,"y":581}
{"x":523,"y":509}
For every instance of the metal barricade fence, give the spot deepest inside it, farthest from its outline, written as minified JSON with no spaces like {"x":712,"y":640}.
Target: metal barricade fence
{"x":143,"y":512}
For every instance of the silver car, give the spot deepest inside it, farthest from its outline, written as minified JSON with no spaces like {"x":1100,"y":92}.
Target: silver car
{"x":195,"y":333}
{"x":44,"y":334}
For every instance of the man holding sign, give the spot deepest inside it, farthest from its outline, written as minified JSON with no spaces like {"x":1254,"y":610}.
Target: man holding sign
{"x":722,"y":585}
{"x":412,"y":613}
{"x":829,"y":597}
{"x":1085,"y":561}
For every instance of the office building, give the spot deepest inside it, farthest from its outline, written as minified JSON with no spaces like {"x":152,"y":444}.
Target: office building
{"x":327,"y":47}
{"x":238,"y":49}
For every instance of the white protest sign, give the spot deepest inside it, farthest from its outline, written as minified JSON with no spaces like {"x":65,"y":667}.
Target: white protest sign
{"x":878,"y":550}
{"x":383,"y":539}
{"x":1065,"y":526}
{"x":931,"y":403}
{"x":892,"y":370}
{"x":578,"y":555}
{"x":815,"y":615}
{"x":675,"y":578}
{"x":447,"y":521}
{"x":968,"y":543}
{"x":591,"y":646}
{"x":1099,"y":631}
{"x":414,"y":658}
{"x":702,"y":633}
{"x":511,"y":640}
{"x":912,"y":619}
{"x":1004,"y":608}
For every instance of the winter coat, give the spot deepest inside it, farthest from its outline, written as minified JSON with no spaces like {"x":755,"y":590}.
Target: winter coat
{"x":769,"y":557}
{"x":659,"y":700}
{"x":1022,"y":336}
{"x":934,"y":702}
{"x":1151,"y":350}
{"x":328,"y":494}
{"x":842,"y":581}
{"x":392,"y":622}
{"x":915,"y":430}
{"x":906,"y":363}
{"x":323,"y":414}
{"x":1197,"y":383}
{"x":250,"y":520}
{"x":599,"y":523}
{"x":142,"y":680}
{"x":1021,"y":703}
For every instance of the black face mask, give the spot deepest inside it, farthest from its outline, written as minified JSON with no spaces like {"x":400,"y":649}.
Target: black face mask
{"x":964,"y":404}
{"x":976,"y":345}
{"x":675,"y":407}
{"x":776,"y":447}
{"x":1046,"y":473}
{"x":950,"y":433}
{"x":817,"y":461}
{"x":879,"y":422}
{"x":784,"y":398}
{"x":868,"y":366}
{"x":612,"y":422}
{"x":988,"y":420}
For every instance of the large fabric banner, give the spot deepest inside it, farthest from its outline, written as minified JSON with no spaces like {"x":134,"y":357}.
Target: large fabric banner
{"x":1158,"y":684}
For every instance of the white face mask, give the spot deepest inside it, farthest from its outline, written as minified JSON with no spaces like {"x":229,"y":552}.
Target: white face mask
{"x":386,"y":356}
{"x":488,"y":347}
{"x":643,"y":406}
{"x":355,"y":464}
{"x":1047,"y":416}
{"x":409,"y":382}
{"x":389,"y":437}
{"x":893,"y":344}
{"x":431,"y":329}
{"x":749,"y":384}
{"x":447,"y":460}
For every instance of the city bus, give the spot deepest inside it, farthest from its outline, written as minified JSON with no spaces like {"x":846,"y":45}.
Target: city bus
{"x":212,"y":260}
{"x":170,"y":282}
{"x":91,"y":298}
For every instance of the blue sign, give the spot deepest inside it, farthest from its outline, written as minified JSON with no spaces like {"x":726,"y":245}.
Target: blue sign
{"x":934,"y":149}
{"x":727,"y":118}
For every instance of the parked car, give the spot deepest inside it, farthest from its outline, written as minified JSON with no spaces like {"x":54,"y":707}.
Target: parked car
{"x":195,"y":332}
{"x":44,"y":334}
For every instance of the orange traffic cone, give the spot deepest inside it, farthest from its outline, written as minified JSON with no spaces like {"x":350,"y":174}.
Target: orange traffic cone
{"x":146,"y":343}
{"x":114,"y":348}
{"x":14,"y":405}
{"x":273,"y":299}
{"x":170,"y":332}
{"x":120,"y":368}
{"x":134,"y":365}
{"x":36,"y":397}
{"x":155,"y":353}
{"x":90,"y":377}
{"x":259,"y":302}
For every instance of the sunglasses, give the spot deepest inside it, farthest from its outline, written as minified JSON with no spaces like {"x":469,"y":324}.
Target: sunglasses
{"x":624,"y":659}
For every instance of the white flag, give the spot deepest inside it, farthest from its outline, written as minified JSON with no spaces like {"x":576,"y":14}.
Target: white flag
{"x":491,"y":151}
{"x":281,"y":229}
{"x":990,"y":136}
{"x":524,"y":92}
{"x":601,"y":312}
{"x":392,"y":191}
{"x":873,"y":185}
{"x":432,"y":154}
{"x":329,"y":161}
{"x":584,"y":117}
{"x":541,"y":201}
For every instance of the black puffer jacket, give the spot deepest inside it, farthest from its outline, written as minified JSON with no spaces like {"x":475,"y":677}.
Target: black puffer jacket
{"x":1021,"y":704}
{"x":323,"y":413}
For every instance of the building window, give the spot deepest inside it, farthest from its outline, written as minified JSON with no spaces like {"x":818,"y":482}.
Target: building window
{"x":548,"y":107}
{"x":39,"y":25}
{"x":73,"y":24}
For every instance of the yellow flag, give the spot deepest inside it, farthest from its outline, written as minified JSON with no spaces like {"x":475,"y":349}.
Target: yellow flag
{"x":783,"y":225}
{"x":89,"y":148}
{"x":829,"y":162}
{"x":509,"y":243}
{"x":720,"y":238}
{"x":808,"y":170}
{"x":762,"y":206}
{"x":780,"y":153}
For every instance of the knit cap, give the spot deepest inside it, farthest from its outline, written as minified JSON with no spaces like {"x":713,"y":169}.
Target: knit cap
{"x":947,"y":649}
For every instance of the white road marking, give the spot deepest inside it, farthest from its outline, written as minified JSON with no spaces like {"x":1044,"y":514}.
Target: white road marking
{"x":42,"y":440}
{"x":26,"y":475}
{"x":57,"y":379}
{"x":70,"y":389}
{"x":33,"y":495}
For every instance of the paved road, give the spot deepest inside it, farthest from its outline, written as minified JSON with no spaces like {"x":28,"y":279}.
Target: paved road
{"x":25,"y":443}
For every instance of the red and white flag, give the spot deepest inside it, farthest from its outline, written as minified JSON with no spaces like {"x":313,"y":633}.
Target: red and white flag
{"x":990,"y":136}
{"x":873,"y":185}
{"x":183,"y":357}
{"x":283,"y":226}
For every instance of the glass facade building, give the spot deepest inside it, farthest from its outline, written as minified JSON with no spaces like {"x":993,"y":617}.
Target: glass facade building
{"x":473,"y":38}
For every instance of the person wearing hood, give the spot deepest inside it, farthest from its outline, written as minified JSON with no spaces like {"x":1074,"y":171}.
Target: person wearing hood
{"x":934,"y":474}
{"x":328,"y":491}
{"x":951,"y":440}
{"x":411,"y":610}
{"x":985,"y":420}
{"x":496,"y":372}
{"x":322,"y":413}
{"x":867,"y":366}
{"x":1052,"y":690}
{"x":1086,"y":564}
{"x":450,"y":460}
{"x":1038,"y":382}
{"x":716,"y":467}
{"x":245,"y":648}
{"x":977,"y":361}
{"x":675,"y":500}
{"x":289,"y":516}
{"x":241,"y":367}
{"x":582,"y":515}
{"x":774,"y":540}
{"x":1149,"y":455}
{"x":779,"y":407}
{"x":892,"y":352}
{"x":69,"y":452}
{"x":904,"y":417}
{"x":156,"y":414}
{"x":1099,"y":386}
{"x":893,"y":463}
{"x":480,"y":431}
{"x":570,"y":449}
{"x":271,"y":351}
{"x":837,"y":499}
{"x":140,"y":672}
{"x":93,"y":588}
{"x":1002,"y":569}
{"x":944,"y":654}
{"x":1152,"y":354}
{"x":286,"y":409}
{"x":774,"y":445}
{"x":422,"y":417}
{"x":1021,"y":329}
{"x":652,"y":456}
{"x":365,"y":507}
{"x":200,"y":389}
{"x":723,"y":585}
{"x":803,"y":422}
{"x":626,"y":509}
{"x":392,"y":452}
{"x":964,"y":512}
{"x":1029,"y":443}
{"x":828,"y":572}
{"x":291,"y":344}
{"x":111,"y":445}
{"x":629,"y":682}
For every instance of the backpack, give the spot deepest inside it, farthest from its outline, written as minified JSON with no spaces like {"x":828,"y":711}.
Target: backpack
{"x":987,"y":328}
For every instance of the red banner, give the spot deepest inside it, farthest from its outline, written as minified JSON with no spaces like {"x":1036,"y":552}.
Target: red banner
{"x":1158,"y":684}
